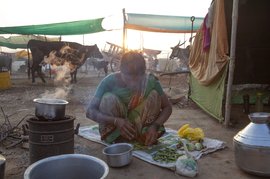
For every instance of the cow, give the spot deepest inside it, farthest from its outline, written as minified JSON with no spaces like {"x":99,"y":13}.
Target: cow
{"x":5,"y":63}
{"x":99,"y":64}
{"x":41,"y":49}
{"x":180,"y":53}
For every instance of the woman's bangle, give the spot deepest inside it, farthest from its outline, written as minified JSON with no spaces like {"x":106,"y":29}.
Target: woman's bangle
{"x":114,"y":122}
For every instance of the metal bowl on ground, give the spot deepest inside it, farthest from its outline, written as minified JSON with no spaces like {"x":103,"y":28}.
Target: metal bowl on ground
{"x":68,"y":166}
{"x":118,"y":155}
{"x":252,"y":145}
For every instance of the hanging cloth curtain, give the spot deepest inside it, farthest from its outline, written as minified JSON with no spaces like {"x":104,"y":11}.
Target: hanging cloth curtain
{"x":206,"y":65}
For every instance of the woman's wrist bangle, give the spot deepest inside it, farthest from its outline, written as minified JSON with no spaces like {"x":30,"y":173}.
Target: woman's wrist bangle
{"x":114,"y":122}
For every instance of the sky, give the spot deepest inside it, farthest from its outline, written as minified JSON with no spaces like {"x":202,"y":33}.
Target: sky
{"x":30,"y":12}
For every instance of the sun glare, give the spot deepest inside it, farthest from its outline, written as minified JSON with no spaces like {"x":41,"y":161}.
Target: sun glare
{"x":113,"y":21}
{"x":134,"y":40}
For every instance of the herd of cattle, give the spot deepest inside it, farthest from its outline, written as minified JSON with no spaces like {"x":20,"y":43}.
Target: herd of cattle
{"x":73,"y":55}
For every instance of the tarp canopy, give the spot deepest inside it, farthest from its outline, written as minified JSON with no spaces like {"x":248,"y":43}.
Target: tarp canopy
{"x":161,"y":23}
{"x":64,"y":28}
{"x":21,"y":41}
{"x":144,"y":22}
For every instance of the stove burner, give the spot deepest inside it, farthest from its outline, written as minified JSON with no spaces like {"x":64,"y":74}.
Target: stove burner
{"x":50,"y":137}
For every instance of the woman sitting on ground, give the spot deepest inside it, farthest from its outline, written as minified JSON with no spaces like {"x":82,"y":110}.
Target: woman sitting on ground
{"x":130,"y":105}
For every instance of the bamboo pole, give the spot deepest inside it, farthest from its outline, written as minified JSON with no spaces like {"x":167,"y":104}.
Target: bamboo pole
{"x":124,"y":30}
{"x":232,"y":62}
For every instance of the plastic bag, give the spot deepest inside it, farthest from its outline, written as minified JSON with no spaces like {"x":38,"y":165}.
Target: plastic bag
{"x":186,"y":165}
{"x":191,"y":133}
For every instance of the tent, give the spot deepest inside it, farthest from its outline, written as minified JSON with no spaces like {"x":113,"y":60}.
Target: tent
{"x":239,"y":60}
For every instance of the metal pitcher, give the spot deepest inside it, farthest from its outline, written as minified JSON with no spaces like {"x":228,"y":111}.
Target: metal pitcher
{"x":252,"y":145}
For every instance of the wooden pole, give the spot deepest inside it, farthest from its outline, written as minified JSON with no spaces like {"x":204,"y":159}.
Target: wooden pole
{"x":232,"y":62}
{"x":124,"y":30}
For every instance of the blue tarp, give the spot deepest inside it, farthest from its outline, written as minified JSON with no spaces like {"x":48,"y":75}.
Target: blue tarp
{"x":162,"y":23}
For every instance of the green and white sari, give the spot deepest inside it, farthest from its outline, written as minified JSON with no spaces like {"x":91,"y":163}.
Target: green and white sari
{"x":140,"y":108}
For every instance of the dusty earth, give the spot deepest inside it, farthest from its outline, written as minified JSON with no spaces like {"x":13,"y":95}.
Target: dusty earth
{"x":17,"y":102}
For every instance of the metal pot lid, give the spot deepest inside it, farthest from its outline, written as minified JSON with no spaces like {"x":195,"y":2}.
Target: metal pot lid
{"x":255,"y":135}
{"x":50,"y":101}
{"x":259,"y":117}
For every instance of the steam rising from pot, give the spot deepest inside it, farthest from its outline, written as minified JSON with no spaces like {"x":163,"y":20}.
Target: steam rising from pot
{"x":62,"y":81}
{"x":58,"y":93}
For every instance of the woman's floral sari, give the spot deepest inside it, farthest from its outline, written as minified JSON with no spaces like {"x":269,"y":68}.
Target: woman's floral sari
{"x":141,"y":109}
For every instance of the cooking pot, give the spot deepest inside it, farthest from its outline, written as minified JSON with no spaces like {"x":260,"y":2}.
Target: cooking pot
{"x":252,"y":145}
{"x":50,"y":109}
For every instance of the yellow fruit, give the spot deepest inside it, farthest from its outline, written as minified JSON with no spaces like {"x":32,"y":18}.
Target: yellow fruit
{"x":198,"y":133}
{"x":188,"y":132}
{"x":182,"y":128}
{"x":192,"y":134}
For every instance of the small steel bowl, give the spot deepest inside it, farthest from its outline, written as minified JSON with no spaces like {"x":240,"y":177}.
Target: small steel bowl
{"x":118,"y":155}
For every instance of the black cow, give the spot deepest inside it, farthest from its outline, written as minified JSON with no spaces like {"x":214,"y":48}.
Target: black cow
{"x":40,"y":49}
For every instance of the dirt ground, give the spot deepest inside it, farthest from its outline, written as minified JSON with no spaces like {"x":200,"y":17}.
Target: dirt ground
{"x":17,"y":102}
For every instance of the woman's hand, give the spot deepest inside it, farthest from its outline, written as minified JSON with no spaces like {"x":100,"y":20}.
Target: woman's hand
{"x":151,"y":135}
{"x":127,"y":129}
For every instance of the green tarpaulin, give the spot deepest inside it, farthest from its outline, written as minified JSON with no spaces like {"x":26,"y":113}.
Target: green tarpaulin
{"x":65,"y":28}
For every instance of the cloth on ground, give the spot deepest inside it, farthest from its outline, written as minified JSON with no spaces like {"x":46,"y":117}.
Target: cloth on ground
{"x":169,"y":139}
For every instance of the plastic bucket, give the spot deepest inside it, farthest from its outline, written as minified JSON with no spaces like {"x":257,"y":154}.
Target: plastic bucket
{"x":5,"y":82}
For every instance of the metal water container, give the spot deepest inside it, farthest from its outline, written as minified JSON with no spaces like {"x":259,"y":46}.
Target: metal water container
{"x":252,"y":145}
